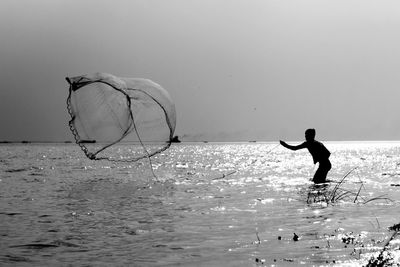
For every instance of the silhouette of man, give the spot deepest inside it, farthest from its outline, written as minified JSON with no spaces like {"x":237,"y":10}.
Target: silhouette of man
{"x":319,"y":153}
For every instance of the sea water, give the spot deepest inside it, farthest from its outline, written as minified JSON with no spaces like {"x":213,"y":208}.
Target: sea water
{"x":210,"y":204}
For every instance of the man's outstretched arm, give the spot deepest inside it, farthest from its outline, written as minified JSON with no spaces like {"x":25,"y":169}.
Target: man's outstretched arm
{"x":301,"y":146}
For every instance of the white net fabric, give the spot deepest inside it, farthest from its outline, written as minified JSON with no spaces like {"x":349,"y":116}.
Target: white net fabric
{"x":137,"y":114}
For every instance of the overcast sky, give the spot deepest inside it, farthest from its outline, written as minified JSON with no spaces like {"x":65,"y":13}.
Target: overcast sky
{"x":236,"y":69}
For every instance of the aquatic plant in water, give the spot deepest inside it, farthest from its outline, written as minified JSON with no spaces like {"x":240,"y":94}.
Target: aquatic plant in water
{"x":325,"y":194}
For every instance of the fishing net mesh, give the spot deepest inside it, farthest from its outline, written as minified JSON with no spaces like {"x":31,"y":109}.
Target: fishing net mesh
{"x":120,"y":119}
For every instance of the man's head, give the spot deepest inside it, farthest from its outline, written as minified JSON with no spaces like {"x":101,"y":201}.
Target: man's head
{"x":310,"y":134}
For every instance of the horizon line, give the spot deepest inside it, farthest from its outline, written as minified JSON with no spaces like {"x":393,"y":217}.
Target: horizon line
{"x":195,"y":141}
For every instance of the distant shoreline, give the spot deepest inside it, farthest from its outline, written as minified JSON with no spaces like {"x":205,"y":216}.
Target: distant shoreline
{"x":207,"y":141}
{"x":36,"y":142}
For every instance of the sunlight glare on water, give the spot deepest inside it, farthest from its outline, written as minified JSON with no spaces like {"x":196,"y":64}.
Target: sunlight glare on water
{"x":217,"y":204}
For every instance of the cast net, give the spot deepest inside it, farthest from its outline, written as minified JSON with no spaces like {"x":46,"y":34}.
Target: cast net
{"x":120,"y":119}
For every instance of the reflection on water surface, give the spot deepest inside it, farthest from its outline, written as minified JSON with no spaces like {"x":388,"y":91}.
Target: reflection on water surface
{"x":224,"y":204}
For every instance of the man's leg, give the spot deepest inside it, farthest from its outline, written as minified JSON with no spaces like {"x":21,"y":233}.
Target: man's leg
{"x":322,"y":172}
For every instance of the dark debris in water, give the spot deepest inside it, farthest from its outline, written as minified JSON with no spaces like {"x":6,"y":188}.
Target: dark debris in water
{"x":295,"y":237}
{"x":385,"y":258}
{"x":358,"y":244}
{"x":262,"y":261}
{"x":348,"y":238}
{"x":395,"y":227}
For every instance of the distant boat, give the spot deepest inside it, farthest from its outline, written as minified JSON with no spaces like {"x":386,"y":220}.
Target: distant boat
{"x":87,"y":141}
